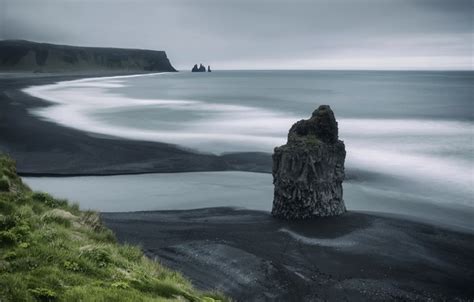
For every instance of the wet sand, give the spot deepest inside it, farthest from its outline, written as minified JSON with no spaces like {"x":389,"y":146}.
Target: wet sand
{"x":251,"y":256}
{"x":246,"y":254}
{"x":45,"y":148}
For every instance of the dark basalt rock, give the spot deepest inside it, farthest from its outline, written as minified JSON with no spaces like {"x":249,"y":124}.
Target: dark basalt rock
{"x":201,"y":68}
{"x":322,"y":125}
{"x":308,"y":171}
{"x":209,"y":68}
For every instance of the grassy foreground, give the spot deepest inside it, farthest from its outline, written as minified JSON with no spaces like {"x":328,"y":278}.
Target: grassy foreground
{"x":52,"y":251}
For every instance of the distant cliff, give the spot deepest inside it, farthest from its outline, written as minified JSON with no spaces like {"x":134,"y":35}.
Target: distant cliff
{"x":19,"y":55}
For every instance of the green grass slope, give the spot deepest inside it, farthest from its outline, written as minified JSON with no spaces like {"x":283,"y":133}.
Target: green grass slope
{"x":52,"y":251}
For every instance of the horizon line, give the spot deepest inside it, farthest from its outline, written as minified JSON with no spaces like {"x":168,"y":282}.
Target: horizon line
{"x":326,"y":69}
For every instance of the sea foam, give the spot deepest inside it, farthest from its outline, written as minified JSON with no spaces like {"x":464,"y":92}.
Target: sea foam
{"x":428,"y":151}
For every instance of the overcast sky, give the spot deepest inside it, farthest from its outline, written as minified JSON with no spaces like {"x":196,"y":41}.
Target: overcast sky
{"x":259,"y":34}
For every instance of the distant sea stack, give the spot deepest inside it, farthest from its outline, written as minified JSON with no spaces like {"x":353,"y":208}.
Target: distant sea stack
{"x":19,"y":55}
{"x":201,"y":68}
{"x":308,"y":171}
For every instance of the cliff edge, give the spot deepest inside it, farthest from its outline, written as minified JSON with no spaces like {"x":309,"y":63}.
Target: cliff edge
{"x":308,"y":171}
{"x":20,"y":55}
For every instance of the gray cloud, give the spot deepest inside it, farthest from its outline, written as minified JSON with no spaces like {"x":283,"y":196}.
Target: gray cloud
{"x":259,"y":33}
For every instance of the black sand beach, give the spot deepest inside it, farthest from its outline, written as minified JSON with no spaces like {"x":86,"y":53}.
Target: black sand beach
{"x":44,"y":148}
{"x":236,"y":151}
{"x":246,"y":254}
{"x":355,"y":257}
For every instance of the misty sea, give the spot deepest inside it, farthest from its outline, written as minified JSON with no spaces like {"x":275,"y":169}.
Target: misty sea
{"x":408,"y":135}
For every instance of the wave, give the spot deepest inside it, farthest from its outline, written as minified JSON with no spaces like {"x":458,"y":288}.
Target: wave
{"x":434,"y":151}
{"x":75,"y":104}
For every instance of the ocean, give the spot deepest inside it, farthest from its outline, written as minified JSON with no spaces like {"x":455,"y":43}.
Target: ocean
{"x":408,"y":135}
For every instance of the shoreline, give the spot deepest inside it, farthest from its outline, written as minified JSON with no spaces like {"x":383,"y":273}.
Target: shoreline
{"x":43,"y":148}
{"x":233,"y":167}
{"x":247,"y":254}
{"x":357,"y":256}
{"x":250,"y":190}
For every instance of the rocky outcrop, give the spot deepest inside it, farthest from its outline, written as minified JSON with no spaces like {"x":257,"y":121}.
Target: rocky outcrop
{"x":308,"y":171}
{"x":19,"y":55}
{"x":209,"y":68}
{"x":201,"y":68}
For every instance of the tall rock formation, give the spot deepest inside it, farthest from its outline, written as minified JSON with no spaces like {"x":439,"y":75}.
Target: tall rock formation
{"x":308,"y":171}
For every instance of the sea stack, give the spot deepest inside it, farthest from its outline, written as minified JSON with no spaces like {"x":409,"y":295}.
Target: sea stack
{"x":201,"y":68}
{"x":309,"y":169}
